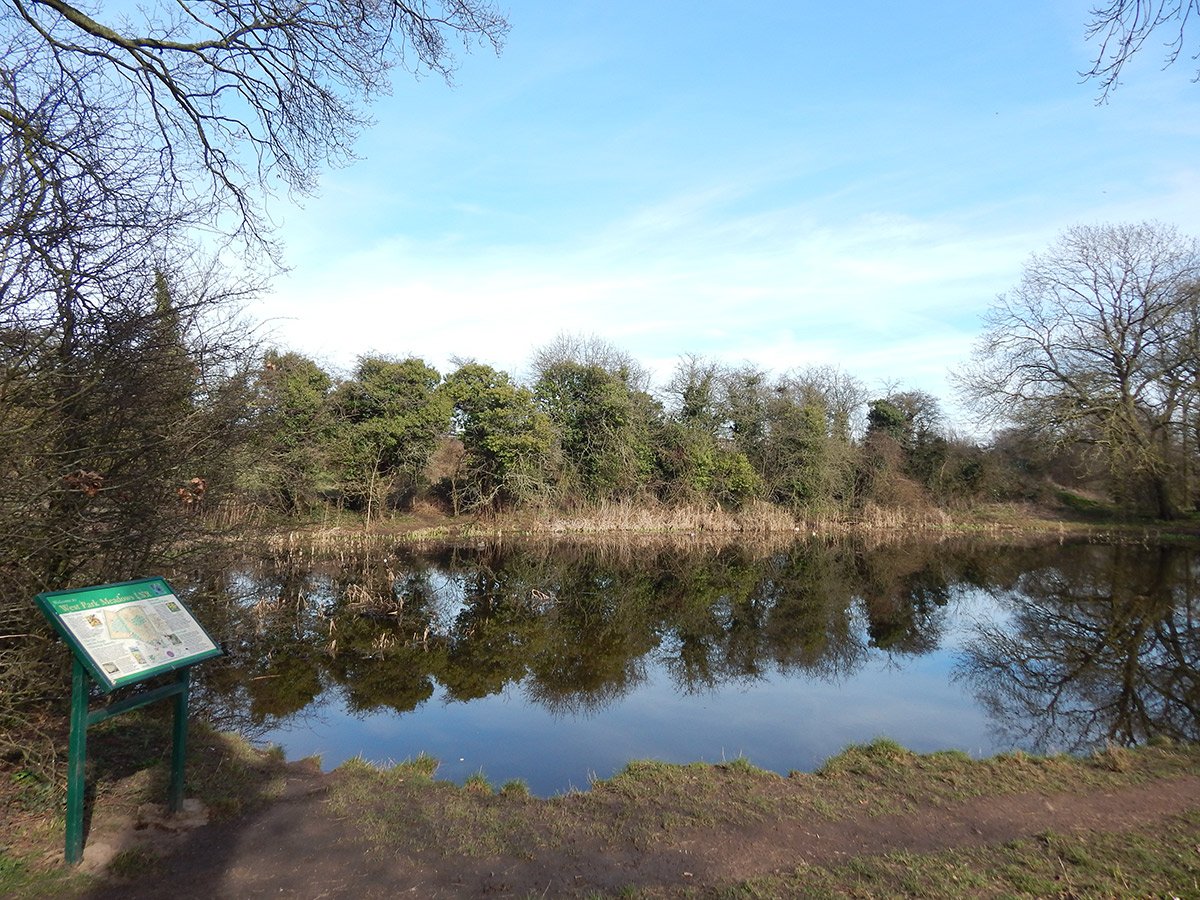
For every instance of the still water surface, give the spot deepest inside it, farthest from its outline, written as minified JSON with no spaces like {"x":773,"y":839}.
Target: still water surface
{"x":557,"y":664}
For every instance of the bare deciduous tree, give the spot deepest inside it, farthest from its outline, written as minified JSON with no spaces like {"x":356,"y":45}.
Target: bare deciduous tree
{"x":1094,"y":346}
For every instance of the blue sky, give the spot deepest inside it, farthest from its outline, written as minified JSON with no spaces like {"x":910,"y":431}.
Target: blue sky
{"x":785,"y":183}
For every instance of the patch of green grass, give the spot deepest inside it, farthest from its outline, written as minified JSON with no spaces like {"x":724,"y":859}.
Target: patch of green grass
{"x":863,"y":759}
{"x":644,"y":771}
{"x":515,"y":787}
{"x":21,"y":877}
{"x":34,"y":793}
{"x":951,"y":756}
{"x":477,"y":783}
{"x":1115,"y":759}
{"x":741,"y":765}
{"x":422,"y":766}
{"x":229,"y":775}
{"x":402,"y":806}
{"x":1084,"y":506}
{"x":883,"y":778}
{"x":654,"y":801}
{"x":651,"y":804}
{"x":432,"y":533}
{"x":651,"y":780}
{"x":356,"y":765}
{"x":1147,"y":862}
{"x":11,"y":868}
{"x":135,"y":862}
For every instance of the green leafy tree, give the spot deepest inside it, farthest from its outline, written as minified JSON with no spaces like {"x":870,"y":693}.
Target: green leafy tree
{"x":912,"y":421}
{"x":693,"y":395}
{"x":798,"y":453}
{"x":901,"y":450}
{"x":292,"y":428}
{"x":795,"y":431}
{"x":696,"y":467}
{"x":885,"y":417}
{"x":390,"y":417}
{"x":508,"y":441}
{"x":908,"y":417}
{"x":603,"y":417}
{"x":696,"y":461}
{"x":744,"y":393}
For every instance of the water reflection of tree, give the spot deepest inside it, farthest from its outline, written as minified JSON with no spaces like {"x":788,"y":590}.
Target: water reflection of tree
{"x":1102,"y":646}
{"x":600,"y":627}
{"x":292,"y":627}
{"x":489,"y":646}
{"x":810,"y":627}
{"x":268,"y":627}
{"x":576,"y":627}
{"x":905,"y":593}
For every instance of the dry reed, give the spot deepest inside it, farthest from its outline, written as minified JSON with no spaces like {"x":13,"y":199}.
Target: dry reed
{"x":650,"y":518}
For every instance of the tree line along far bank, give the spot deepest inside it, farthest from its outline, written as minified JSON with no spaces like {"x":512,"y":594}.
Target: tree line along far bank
{"x":1090,"y":367}
{"x":128,"y":409}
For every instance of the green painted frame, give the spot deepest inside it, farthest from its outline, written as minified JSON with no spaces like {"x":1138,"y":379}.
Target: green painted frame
{"x":87,"y":668}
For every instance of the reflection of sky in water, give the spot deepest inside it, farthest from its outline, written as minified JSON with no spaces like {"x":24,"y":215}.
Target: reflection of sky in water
{"x":781,"y":722}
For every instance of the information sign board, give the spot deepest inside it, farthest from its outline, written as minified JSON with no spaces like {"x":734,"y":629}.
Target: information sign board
{"x":125,"y":633}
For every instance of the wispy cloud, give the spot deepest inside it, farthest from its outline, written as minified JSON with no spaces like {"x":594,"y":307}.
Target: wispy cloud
{"x":680,"y":275}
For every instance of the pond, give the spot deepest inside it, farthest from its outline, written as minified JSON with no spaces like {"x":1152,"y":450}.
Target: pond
{"x":557,"y":663}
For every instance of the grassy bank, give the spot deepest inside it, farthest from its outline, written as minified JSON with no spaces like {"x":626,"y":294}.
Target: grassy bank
{"x":879,"y":792}
{"x":876,"y":820}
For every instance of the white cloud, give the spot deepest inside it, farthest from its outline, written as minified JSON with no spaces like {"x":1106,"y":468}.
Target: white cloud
{"x":884,"y":296}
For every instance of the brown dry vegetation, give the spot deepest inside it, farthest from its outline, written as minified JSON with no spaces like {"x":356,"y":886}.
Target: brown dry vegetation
{"x":759,"y":522}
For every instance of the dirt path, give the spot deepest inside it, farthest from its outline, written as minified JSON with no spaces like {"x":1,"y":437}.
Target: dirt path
{"x":992,"y":820}
{"x":297,"y":847}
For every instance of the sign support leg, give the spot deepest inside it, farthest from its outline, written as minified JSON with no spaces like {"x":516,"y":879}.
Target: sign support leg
{"x":76,"y":757}
{"x":179,"y":743}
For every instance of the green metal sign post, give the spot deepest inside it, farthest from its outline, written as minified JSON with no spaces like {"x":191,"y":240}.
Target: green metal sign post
{"x":123,"y":634}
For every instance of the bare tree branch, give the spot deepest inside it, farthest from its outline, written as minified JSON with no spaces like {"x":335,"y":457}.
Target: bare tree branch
{"x":1123,"y":26}
{"x":231,"y":98}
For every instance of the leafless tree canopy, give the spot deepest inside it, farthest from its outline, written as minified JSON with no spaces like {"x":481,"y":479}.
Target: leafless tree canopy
{"x":590,"y":350}
{"x":221,"y":97}
{"x":1123,"y":26}
{"x":1097,"y":345}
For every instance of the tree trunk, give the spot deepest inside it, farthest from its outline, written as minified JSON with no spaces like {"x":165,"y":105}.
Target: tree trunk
{"x":1164,"y":504}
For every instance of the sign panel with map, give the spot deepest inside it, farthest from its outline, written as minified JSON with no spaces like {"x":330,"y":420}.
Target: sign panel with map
{"x":125,"y":633}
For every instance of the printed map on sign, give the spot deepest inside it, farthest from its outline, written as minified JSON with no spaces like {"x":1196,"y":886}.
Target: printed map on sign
{"x":132,"y":622}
